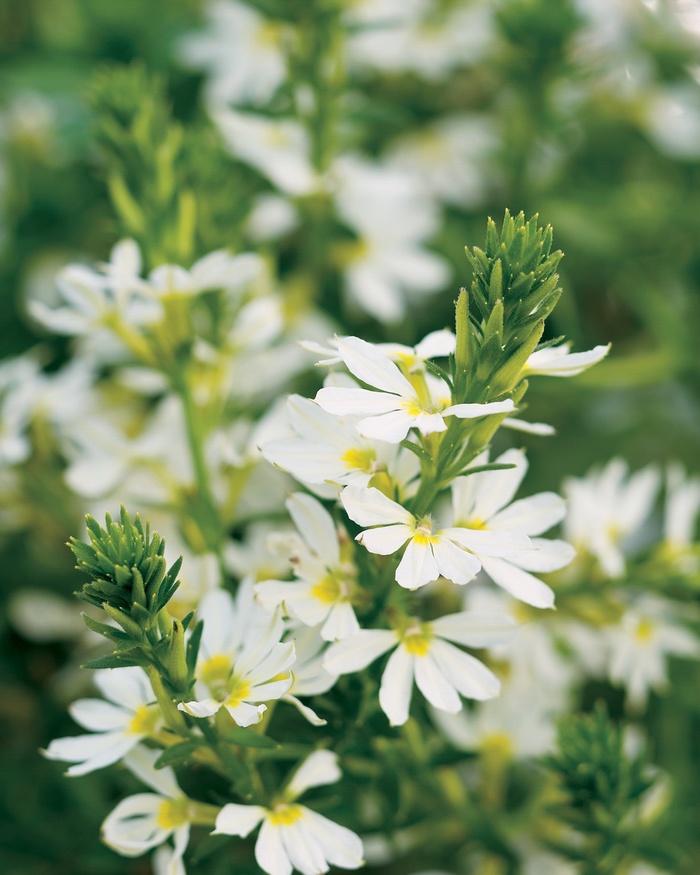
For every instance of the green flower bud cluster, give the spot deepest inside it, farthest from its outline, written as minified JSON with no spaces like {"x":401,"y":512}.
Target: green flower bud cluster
{"x":126,"y":565}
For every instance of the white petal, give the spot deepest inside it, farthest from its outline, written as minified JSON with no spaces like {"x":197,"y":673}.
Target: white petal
{"x":358,"y":651}
{"x":238,"y":820}
{"x":269,"y":851}
{"x":341,"y":623}
{"x":437,"y":344}
{"x":245,"y":714}
{"x":370,"y":507}
{"x":519,"y":583}
{"x":532,"y":515}
{"x":303,"y":850}
{"x":131,"y":829}
{"x":128,"y":687}
{"x":417,"y":566}
{"x":552,"y":363}
{"x":542,"y":429}
{"x":396,"y":687}
{"x":99,"y":716}
{"x":91,"y":752}
{"x":203,"y":708}
{"x":342,"y":401}
{"x":372,"y":366}
{"x":316,"y":527}
{"x":546,"y":555}
{"x":475,"y":628}
{"x":468,"y":675}
{"x":306,"y":712}
{"x":307,"y":461}
{"x":216,"y":610}
{"x":385,"y":540}
{"x":318,"y":769}
{"x":474,"y":411}
{"x":434,"y":685}
{"x":141,"y":761}
{"x":455,"y":564}
{"x":390,"y":427}
{"x":341,"y":847}
{"x":486,"y":543}
{"x":495,"y":489}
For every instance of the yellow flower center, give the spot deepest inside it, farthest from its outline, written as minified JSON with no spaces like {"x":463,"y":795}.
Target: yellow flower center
{"x":359,"y":458}
{"x":172,"y":813}
{"x":239,"y":690}
{"x":285,"y":815}
{"x":424,"y":533}
{"x":644,"y":631}
{"x":268,"y":35}
{"x":475,"y":523}
{"x":327,"y":590}
{"x":412,"y":407}
{"x":406,"y":359}
{"x":145,"y":720}
{"x":417,"y":643}
{"x":497,"y":745}
{"x":217,"y":673}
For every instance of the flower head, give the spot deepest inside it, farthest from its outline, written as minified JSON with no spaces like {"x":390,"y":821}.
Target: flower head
{"x":242,"y":663}
{"x":323,"y":590}
{"x":116,"y":726}
{"x":293,"y":836}
{"x":423,"y":652}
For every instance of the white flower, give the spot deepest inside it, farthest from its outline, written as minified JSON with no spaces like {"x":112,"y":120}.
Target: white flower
{"x":557,"y":361}
{"x":326,"y":449}
{"x":454,"y":553}
{"x":241,"y":661}
{"x":514,"y":725}
{"x":277,"y":148}
{"x":116,"y":725}
{"x":392,"y":218}
{"x":142,"y":822}
{"x":606,"y":510}
{"x":450,"y":158}
{"x":271,"y":217}
{"x":293,"y":836}
{"x":412,"y":35}
{"x":423,"y":652}
{"x":482,"y":502}
{"x":398,"y":406}
{"x":241,"y":53}
{"x":682,"y":507}
{"x":92,"y":297}
{"x":639,"y":647}
{"x":322,"y":592}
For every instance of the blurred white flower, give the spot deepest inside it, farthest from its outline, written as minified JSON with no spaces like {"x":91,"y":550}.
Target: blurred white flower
{"x":606,"y":509}
{"x":641,"y":644}
{"x":277,"y":148}
{"x":241,"y":53}
{"x":558,"y":361}
{"x":681,"y":508}
{"x":393,"y":218}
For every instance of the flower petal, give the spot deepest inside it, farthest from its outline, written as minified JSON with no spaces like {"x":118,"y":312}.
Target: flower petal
{"x":417,"y":566}
{"x":370,"y":507}
{"x":358,"y":651}
{"x":238,"y":820}
{"x":396,"y":687}
{"x":519,"y":583}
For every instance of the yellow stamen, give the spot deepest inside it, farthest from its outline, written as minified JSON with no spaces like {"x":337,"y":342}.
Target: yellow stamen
{"x":498,"y":745}
{"x":644,"y":631}
{"x":359,"y":458}
{"x":285,"y":815}
{"x":172,"y":813}
{"x":412,"y":407}
{"x":145,"y":720}
{"x":327,"y":590}
{"x":239,"y":690}
{"x":417,"y":643}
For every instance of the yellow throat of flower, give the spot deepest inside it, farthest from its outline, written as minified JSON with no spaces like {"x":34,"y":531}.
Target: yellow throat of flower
{"x":285,"y":815}
{"x":360,"y":459}
{"x":145,"y":721}
{"x":172,"y":813}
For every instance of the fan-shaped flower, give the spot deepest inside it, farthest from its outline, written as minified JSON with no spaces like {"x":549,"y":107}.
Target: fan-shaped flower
{"x":242,"y":662}
{"x":293,"y":836}
{"x":323,"y":590}
{"x":422,"y":651}
{"x":116,"y":725}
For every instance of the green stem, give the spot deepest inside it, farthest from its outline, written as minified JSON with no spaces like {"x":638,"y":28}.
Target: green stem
{"x":171,"y":715}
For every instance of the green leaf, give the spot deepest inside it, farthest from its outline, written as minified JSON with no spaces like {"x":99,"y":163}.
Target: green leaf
{"x":177,"y":753}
